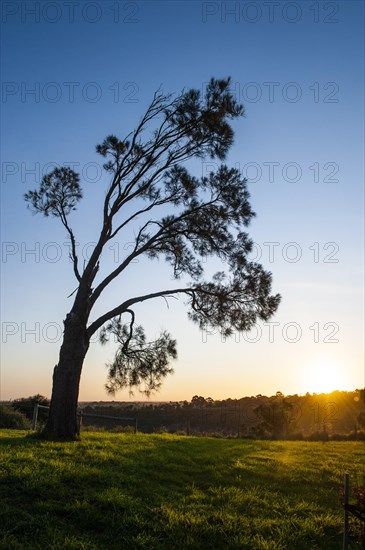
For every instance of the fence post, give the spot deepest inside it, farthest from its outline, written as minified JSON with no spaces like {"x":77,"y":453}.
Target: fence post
{"x":80,"y":421}
{"x":239,"y":420}
{"x":346,"y":512}
{"x":135,"y":425}
{"x":35,"y":417}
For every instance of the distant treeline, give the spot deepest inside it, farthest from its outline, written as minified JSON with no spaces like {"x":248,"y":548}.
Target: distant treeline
{"x":339,"y":414}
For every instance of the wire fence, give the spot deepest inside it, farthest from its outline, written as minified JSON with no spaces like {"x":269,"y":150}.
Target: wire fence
{"x":81,"y":415}
{"x":357,"y":511}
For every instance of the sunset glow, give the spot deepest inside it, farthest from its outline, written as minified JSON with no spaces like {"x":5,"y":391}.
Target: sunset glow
{"x":324,"y":375}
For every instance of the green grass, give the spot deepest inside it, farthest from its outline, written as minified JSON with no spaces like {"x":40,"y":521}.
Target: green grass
{"x":122,"y":491}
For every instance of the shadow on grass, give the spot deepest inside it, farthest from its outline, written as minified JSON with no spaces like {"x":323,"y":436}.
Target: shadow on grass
{"x":167,"y":492}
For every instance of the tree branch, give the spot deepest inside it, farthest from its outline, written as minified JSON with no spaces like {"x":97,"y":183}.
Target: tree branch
{"x":125,"y":345}
{"x":122,"y":308}
{"x":142,"y":211}
{"x":74,"y":257}
{"x":137,"y":252}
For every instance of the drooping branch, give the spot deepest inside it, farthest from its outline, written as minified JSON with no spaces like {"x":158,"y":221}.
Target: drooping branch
{"x":227,"y":304}
{"x":137,"y":361}
{"x":122,"y":308}
{"x":130,"y":336}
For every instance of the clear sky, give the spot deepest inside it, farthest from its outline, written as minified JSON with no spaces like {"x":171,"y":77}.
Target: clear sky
{"x":74,"y":72}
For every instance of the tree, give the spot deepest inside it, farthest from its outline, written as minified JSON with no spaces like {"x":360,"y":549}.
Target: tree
{"x":207,"y":217}
{"x":9,"y":418}
{"x":198,"y":401}
{"x":26,"y":406}
{"x":278,"y":416}
{"x":361,"y":419}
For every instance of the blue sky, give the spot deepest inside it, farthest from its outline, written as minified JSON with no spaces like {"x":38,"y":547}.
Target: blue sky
{"x":93,"y":67}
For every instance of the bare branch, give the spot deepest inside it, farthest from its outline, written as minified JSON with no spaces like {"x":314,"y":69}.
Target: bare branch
{"x":125,"y":345}
{"x":122,"y":308}
{"x":74,"y":257}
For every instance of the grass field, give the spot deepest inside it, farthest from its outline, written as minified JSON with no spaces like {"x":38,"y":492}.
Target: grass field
{"x":122,"y":491}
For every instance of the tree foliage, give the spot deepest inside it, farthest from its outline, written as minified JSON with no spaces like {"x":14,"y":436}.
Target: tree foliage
{"x":58,"y":193}
{"x":10,"y":418}
{"x":137,"y":362}
{"x":26,"y":405}
{"x":278,"y":415}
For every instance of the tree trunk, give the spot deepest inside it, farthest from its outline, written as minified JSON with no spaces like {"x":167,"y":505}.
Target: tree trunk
{"x":62,"y":420}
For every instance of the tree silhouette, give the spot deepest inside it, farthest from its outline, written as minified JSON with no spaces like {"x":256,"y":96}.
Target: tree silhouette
{"x":207,"y":217}
{"x":26,"y":406}
{"x":278,"y":416}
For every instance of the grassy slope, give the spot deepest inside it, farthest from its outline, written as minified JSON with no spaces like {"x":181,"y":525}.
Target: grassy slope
{"x":160,"y":491}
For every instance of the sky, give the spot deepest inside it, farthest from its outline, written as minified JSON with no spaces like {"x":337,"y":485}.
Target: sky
{"x":74,"y":72}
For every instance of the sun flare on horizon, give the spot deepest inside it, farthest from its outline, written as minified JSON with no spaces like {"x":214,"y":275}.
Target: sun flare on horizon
{"x":324,"y":376}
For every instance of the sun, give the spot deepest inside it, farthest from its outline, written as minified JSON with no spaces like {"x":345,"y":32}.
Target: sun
{"x":324,"y":375}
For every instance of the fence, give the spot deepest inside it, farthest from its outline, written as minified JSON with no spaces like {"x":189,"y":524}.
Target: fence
{"x":82,"y":415}
{"x":357,"y":511}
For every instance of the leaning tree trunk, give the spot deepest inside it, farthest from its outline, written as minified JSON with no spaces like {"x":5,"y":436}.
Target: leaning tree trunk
{"x":62,"y":420}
